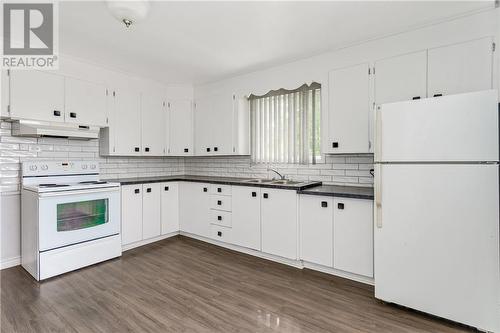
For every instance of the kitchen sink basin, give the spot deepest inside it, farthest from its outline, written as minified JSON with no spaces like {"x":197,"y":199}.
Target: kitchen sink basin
{"x":259,"y":181}
{"x":285,"y":182}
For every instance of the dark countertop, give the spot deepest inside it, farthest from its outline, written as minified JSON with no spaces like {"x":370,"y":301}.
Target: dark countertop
{"x":211,"y":180}
{"x":340,"y":191}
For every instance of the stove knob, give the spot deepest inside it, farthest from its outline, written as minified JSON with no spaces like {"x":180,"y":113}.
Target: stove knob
{"x":33,"y":167}
{"x":92,"y":166}
{"x":84,"y":166}
{"x":45,"y":167}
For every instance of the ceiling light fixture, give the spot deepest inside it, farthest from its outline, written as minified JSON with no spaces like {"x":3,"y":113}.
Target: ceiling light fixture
{"x":128,"y":12}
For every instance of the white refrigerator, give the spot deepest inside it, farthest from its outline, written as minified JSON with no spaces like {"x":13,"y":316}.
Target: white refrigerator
{"x":436,"y":229}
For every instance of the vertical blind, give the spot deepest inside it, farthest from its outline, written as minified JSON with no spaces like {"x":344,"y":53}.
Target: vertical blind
{"x":285,"y":125}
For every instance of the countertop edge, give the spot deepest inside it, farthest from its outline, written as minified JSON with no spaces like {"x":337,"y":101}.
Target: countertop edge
{"x":338,"y":195}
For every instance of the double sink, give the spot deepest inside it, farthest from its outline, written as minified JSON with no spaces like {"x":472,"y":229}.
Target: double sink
{"x":274,"y":182}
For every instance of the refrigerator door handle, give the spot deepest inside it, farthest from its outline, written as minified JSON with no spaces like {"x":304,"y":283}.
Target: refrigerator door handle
{"x":378,"y":195}
{"x":378,"y":134}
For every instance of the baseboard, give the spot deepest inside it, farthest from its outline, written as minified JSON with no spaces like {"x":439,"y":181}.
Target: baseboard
{"x":10,"y":262}
{"x":148,"y":241}
{"x":340,"y":273}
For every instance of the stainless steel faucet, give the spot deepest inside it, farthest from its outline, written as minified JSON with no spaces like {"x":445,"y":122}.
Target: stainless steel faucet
{"x":276,"y":172}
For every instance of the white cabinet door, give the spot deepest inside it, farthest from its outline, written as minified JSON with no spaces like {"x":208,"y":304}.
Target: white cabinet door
{"x":349,"y":110}
{"x":181,"y":128}
{"x":353,"y":236}
{"x":246,"y":216}
{"x":36,"y":95}
{"x":222,"y":125}
{"x":460,"y":68}
{"x":194,"y":211}
{"x":127,"y":120}
{"x":85,"y":102}
{"x":203,"y":127}
{"x":401,"y":78}
{"x":151,"y":208}
{"x":241,"y":132}
{"x":316,"y":229}
{"x":169,"y":207}
{"x":131,"y":202}
{"x":153,"y":115}
{"x":279,"y":222}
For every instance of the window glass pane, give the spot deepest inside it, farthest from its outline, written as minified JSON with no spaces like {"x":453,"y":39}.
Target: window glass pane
{"x":82,"y":214}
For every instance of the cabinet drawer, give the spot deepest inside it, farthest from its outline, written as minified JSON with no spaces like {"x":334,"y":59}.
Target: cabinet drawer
{"x":220,"y":202}
{"x":220,"y":189}
{"x":221,"y":233}
{"x":220,"y":218}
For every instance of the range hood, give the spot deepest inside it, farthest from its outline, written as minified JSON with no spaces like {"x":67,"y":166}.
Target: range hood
{"x":53,"y":129}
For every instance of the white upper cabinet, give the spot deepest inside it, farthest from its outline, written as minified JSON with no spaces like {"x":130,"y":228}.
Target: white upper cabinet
{"x":203,"y":131}
{"x":349,"y":110}
{"x":401,"y":78}
{"x":85,"y":102}
{"x":181,"y":128}
{"x":460,"y":68}
{"x":153,"y":114}
{"x":127,"y":122}
{"x":36,"y":95}
{"x":215,"y":125}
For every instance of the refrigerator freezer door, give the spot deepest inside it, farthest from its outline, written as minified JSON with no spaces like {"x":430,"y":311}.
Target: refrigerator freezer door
{"x":455,"y":128}
{"x":436,"y":248}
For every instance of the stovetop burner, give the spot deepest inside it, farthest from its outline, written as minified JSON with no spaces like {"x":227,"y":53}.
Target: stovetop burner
{"x":53,"y":185}
{"x":93,"y":182}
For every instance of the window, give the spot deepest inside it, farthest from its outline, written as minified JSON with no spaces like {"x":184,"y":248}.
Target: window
{"x":285,"y":125}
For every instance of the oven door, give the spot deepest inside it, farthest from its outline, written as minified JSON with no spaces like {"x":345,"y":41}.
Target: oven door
{"x":71,"y":217}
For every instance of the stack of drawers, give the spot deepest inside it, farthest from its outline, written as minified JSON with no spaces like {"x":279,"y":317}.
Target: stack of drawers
{"x":220,"y":212}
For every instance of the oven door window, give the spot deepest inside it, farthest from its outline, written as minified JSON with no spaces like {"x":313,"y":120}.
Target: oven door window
{"x":82,"y":214}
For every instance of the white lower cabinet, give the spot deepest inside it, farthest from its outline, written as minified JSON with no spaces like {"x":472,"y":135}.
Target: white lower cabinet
{"x":151,"y":225}
{"x":279,"y":222}
{"x":353,"y":236}
{"x":246,"y":216}
{"x":316,"y":229}
{"x":194,"y":208}
{"x":131,"y":206}
{"x":169,"y":207}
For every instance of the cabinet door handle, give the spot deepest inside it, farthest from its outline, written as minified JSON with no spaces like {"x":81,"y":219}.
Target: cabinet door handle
{"x":146,"y":149}
{"x":186,"y":150}
{"x":219,"y":189}
{"x":415,"y":98}
{"x":254,"y":194}
{"x":219,"y":233}
{"x":148,"y":190}
{"x":166,"y":188}
{"x":219,"y":218}
{"x":216,"y":149}
{"x":137,"y":149}
{"x":205,"y":189}
{"x":265,"y":195}
{"x":72,"y":114}
{"x":324,"y":204}
{"x":219,"y":202}
{"x":335,"y":144}
{"x":438,"y":95}
{"x":57,"y":113}
{"x":136,"y":191}
{"x":208,"y":150}
{"x":340,"y":205}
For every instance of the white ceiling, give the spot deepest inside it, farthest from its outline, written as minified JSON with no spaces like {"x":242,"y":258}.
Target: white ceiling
{"x":197,"y":42}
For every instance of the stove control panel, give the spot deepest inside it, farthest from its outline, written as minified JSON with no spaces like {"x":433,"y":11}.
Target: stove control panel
{"x":54,"y":168}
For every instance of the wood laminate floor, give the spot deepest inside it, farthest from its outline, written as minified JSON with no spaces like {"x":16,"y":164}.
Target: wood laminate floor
{"x":184,"y":285}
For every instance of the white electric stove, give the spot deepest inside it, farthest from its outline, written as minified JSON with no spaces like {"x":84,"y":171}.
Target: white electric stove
{"x":70,"y":219}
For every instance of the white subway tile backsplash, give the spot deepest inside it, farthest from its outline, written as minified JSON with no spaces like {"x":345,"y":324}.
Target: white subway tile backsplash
{"x":332,"y":169}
